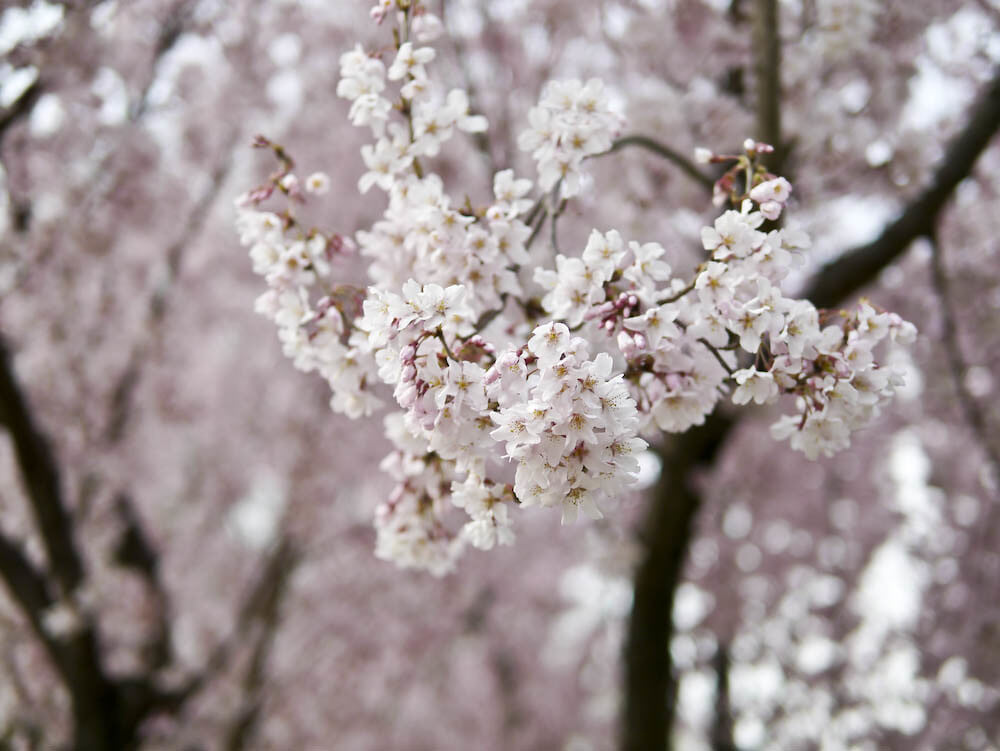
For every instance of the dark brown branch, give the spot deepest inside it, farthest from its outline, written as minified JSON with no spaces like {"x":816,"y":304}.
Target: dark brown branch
{"x":260,"y":597}
{"x":26,"y":584}
{"x":20,"y":108}
{"x":676,"y":158}
{"x":98,"y":722}
{"x":136,"y":551}
{"x":650,"y":686}
{"x":843,"y":277}
{"x":666,"y":532}
{"x":767,"y":72}
{"x":42,"y":481}
{"x":266,"y":611}
{"x":722,"y":725}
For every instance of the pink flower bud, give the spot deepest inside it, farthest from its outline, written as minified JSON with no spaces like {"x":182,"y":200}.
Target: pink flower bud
{"x":626,"y":343}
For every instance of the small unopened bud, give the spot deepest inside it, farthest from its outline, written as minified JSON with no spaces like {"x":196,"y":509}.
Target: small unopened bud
{"x":626,"y":344}
{"x":703,"y":155}
{"x":770,"y":209}
{"x":259,"y":194}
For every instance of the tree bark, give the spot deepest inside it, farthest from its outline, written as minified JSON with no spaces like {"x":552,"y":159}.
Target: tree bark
{"x":650,"y":685}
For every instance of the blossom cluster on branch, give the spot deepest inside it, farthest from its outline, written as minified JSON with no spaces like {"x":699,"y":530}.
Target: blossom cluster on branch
{"x":522,"y":376}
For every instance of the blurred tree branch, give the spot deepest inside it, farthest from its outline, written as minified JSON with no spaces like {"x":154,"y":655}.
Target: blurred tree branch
{"x":845,"y":275}
{"x":766,"y":52}
{"x":42,"y":481}
{"x":667,"y":530}
{"x":262,"y":608}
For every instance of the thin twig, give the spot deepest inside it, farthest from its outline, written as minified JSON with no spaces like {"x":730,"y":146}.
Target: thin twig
{"x":675,"y":157}
{"x":440,"y":335}
{"x":537,"y":228}
{"x":718,"y":355}
{"x":555,"y":218}
{"x":679,"y":294}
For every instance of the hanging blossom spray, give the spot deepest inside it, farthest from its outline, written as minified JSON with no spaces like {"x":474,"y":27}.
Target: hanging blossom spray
{"x":517,"y":384}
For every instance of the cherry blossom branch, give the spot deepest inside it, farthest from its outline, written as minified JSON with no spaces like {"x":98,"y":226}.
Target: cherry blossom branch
{"x":679,"y":294}
{"x":539,"y":222}
{"x":447,"y":350}
{"x":685,"y":165}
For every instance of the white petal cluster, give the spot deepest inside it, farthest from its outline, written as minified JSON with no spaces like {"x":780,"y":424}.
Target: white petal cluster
{"x":568,"y":422}
{"x":500,"y":403}
{"x":572,"y":121}
{"x":422,"y":236}
{"x":433,"y":114}
{"x":362,"y":80}
{"x":314,"y":329}
{"x":576,"y":289}
{"x":409,"y":525}
{"x":681,"y":342}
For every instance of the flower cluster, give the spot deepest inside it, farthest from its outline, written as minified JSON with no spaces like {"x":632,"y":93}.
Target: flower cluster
{"x":314,"y":329}
{"x":571,"y":122}
{"x":486,"y":348}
